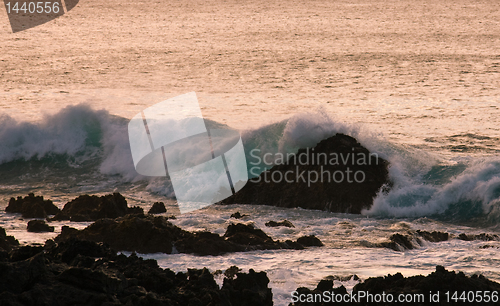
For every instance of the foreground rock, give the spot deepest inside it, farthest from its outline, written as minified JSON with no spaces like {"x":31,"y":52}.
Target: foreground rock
{"x":337,"y":175}
{"x":7,"y":242}
{"x":32,"y":206}
{"x":87,"y":273}
{"x":150,"y":234}
{"x":91,"y":208}
{"x":39,"y":226}
{"x":438,"y":282}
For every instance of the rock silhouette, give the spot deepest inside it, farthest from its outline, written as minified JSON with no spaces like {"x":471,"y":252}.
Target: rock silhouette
{"x":337,"y":175}
{"x":157,"y":208}
{"x":440,"y":282}
{"x":153,"y":234}
{"x":285,"y":223}
{"x":91,"y":208}
{"x":7,"y":242}
{"x":78,"y":272}
{"x":39,"y":226}
{"x":32,"y":206}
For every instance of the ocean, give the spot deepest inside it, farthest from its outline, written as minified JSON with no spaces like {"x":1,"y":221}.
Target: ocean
{"x":414,"y":81}
{"x":444,"y":166}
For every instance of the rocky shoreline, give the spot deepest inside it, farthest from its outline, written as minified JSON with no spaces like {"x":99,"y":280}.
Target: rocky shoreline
{"x":85,"y":266}
{"x":82,"y":272}
{"x":429,"y":290}
{"x":77,"y":272}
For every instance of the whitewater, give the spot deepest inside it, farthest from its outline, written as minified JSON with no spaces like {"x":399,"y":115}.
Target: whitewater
{"x":444,"y":180}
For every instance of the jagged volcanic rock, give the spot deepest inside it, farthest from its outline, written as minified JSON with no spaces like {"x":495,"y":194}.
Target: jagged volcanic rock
{"x":139,"y":233}
{"x":87,"y":273}
{"x":346,"y":180}
{"x":32,"y":206}
{"x":91,"y":208}
{"x":440,"y":282}
{"x":152,"y":234}
{"x":285,"y":223}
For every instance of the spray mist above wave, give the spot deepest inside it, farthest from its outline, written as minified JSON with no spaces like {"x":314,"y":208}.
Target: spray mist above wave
{"x":466,"y":192}
{"x":76,"y":135}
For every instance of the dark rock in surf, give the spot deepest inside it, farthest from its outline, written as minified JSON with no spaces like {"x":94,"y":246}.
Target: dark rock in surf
{"x":150,"y":234}
{"x":309,"y":241}
{"x":400,"y":242}
{"x":334,"y":162}
{"x":482,"y":236}
{"x":39,"y":226}
{"x":410,"y":241}
{"x":32,"y":206}
{"x":237,"y":215}
{"x":82,"y":272}
{"x":133,"y":233}
{"x":206,"y":243}
{"x":285,"y":223}
{"x":92,"y":208}
{"x":247,"y":235}
{"x":434,"y":236}
{"x":157,"y":208}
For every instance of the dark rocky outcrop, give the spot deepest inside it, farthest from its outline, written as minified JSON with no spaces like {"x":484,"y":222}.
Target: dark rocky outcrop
{"x":152,"y":234}
{"x":157,"y":208}
{"x":237,"y":215}
{"x":7,"y":242}
{"x":440,"y":282}
{"x":252,"y":287}
{"x":482,"y":236}
{"x":88,"y":273}
{"x":139,"y":233}
{"x":285,"y":223}
{"x":39,"y":226}
{"x":400,"y":242}
{"x":412,"y":240}
{"x":32,"y":206}
{"x":348,"y":193}
{"x":434,"y":236}
{"x":251,"y":238}
{"x":91,"y":208}
{"x":310,"y":240}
